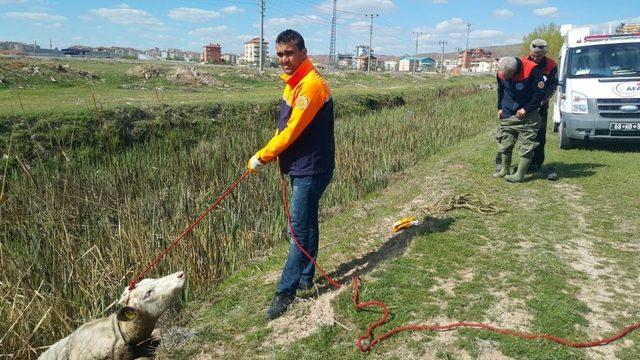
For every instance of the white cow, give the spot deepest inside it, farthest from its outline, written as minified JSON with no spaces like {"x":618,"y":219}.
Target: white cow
{"x":125,"y":334}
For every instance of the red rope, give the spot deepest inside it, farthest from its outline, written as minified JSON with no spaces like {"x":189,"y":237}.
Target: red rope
{"x":215,"y":204}
{"x":373,"y":341}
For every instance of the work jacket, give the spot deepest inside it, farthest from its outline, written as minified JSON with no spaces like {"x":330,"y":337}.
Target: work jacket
{"x":550,"y":76}
{"x":304,"y":142}
{"x":525,"y":90}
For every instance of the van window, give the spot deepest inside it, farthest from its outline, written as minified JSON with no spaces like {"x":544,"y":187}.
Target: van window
{"x":609,"y":60}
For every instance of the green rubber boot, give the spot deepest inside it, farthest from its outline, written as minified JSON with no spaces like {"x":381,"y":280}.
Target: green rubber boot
{"x":504,"y":168}
{"x":523,"y":165}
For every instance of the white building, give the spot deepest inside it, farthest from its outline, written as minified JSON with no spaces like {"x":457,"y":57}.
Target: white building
{"x":252,"y":51}
{"x":391,"y":65}
{"x":230,"y":59}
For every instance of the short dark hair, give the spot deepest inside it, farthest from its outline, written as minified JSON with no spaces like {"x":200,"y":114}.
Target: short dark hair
{"x":291,"y":35}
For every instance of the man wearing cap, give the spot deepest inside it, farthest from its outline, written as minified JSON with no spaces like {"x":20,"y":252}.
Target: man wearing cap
{"x":537,"y":53}
{"x":304,"y":146}
{"x":521,"y":89}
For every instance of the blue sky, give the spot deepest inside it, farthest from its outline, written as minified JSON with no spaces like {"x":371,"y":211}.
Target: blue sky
{"x":189,"y":24}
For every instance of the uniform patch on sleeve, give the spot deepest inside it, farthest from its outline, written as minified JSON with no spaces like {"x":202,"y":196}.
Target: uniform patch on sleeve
{"x":302,"y":102}
{"x":541,"y":85}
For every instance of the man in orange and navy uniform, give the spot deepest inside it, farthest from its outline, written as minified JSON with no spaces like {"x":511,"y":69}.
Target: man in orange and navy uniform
{"x":537,"y":54}
{"x":305,"y":148}
{"x":521,"y":89}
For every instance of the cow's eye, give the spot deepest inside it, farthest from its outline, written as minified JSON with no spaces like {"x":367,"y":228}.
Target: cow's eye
{"x":148,"y":293}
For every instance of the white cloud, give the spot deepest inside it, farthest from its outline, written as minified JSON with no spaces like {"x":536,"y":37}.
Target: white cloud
{"x":77,"y":37}
{"x":528,"y":2}
{"x":359,"y":27}
{"x":7,"y":2}
{"x":158,"y":37}
{"x":452,"y":25}
{"x":209,"y":33}
{"x":41,"y":16}
{"x":245,"y":38}
{"x":295,"y":21}
{"x":192,"y":14}
{"x":546,"y":12}
{"x":503,"y":13}
{"x":440,"y":1}
{"x":232,"y":9}
{"x":485,"y":34}
{"x":127,"y":16}
{"x":85,"y":18}
{"x":359,"y":7}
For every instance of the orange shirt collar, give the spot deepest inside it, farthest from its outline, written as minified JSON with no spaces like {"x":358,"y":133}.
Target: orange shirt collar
{"x":302,"y":71}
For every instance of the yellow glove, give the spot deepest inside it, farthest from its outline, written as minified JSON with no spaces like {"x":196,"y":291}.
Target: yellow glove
{"x":405,"y":223}
{"x":254,"y":164}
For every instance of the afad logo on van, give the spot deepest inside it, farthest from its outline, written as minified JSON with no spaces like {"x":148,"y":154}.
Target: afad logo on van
{"x":627,"y":89}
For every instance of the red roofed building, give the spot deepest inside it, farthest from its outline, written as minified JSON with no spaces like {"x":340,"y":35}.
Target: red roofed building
{"x":212,"y":53}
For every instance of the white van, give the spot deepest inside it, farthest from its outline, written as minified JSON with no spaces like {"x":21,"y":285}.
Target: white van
{"x":599,"y":87}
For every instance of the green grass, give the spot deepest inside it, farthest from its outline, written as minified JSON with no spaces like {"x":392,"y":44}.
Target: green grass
{"x":561,"y":259}
{"x":97,"y":195}
{"x":23,"y":91}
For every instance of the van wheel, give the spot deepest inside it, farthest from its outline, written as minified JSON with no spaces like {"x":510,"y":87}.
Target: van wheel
{"x":565,"y":142}
{"x":556,"y":126}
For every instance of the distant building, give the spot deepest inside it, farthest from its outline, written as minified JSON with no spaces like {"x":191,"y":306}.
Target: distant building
{"x":470,"y":59}
{"x":361,"y":63}
{"x":230,"y":59}
{"x":153,"y":53}
{"x":212,"y":53}
{"x":125,"y":51}
{"x":410,"y":63}
{"x":345,"y":61}
{"x":18,"y":48}
{"x":361,"y":50}
{"x":252,"y":51}
{"x":391,"y":65}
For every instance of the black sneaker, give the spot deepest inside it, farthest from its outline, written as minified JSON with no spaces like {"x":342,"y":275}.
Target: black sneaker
{"x":552,"y":175}
{"x":279,"y":304}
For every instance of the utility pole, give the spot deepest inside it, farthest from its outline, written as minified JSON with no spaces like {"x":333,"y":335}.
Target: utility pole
{"x":370,"y":42}
{"x":332,"y":47}
{"x":468,"y":30}
{"x":417,"y":34}
{"x":261,"y":37}
{"x":442,"y":43}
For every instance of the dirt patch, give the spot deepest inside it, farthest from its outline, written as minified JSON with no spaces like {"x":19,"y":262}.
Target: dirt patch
{"x":303,"y":319}
{"x":26,"y":74}
{"x":191,"y":76}
{"x":146,"y":72}
{"x":179,"y":75}
{"x":603,"y":287}
{"x":447,"y":285}
{"x":510,"y":313}
{"x":272,"y":277}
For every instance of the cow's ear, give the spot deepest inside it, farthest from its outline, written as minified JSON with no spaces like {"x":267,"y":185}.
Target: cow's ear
{"x":127,"y":313}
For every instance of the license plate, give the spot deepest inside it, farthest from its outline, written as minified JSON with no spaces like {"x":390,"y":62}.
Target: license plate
{"x":625,"y":126}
